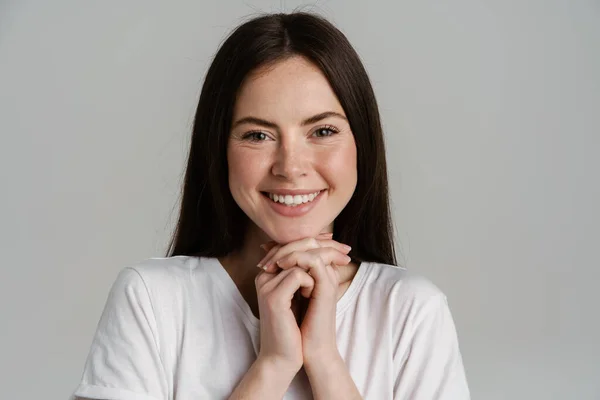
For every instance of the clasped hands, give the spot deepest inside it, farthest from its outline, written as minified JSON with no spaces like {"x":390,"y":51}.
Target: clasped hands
{"x":310,"y":266}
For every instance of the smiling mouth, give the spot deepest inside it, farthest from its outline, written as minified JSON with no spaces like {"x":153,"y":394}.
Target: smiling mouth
{"x":292,"y":200}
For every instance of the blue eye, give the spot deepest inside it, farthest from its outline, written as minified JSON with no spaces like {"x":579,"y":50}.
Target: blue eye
{"x":256,"y":136}
{"x":325,"y":131}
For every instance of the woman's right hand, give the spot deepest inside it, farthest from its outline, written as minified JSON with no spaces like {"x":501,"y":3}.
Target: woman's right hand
{"x":280,"y":356}
{"x":280,"y":338}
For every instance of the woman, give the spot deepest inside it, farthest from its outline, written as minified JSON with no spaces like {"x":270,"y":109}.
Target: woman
{"x":286,"y":172}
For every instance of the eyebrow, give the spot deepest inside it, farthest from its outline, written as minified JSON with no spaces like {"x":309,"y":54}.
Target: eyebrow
{"x":273,"y":125}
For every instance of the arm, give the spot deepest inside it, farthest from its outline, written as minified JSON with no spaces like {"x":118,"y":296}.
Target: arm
{"x":124,"y":359}
{"x":431,"y":367}
{"x":263,"y":380}
{"x":331,"y":380}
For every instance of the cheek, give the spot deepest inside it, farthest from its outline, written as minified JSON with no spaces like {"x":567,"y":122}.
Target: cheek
{"x":341,"y":165}
{"x":245,"y":167}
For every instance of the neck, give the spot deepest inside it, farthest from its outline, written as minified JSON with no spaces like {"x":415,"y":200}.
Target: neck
{"x":241,"y":264}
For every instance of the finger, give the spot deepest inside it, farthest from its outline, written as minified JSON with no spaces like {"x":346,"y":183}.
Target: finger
{"x":275,"y":282}
{"x":274,"y":279}
{"x":344,"y":248}
{"x":262,"y":278}
{"x":314,"y":264}
{"x":304,"y":260}
{"x":298,"y":245}
{"x":271,"y":265}
{"x":294,"y":280}
{"x":271,"y":244}
{"x":268,"y":246}
{"x":261,"y":263}
{"x":334,"y":273}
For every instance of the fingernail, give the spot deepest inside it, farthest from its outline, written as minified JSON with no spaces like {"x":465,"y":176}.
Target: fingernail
{"x":348,"y":248}
{"x":259,"y":266}
{"x":264,"y":247}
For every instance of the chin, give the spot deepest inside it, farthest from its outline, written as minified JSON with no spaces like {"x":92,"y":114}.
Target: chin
{"x":289,"y":234}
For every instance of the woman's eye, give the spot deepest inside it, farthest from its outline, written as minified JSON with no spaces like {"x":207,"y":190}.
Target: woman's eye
{"x":325,"y":132}
{"x":255,"y":136}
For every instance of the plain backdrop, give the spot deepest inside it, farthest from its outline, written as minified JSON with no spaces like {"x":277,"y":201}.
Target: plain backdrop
{"x":491,"y":112}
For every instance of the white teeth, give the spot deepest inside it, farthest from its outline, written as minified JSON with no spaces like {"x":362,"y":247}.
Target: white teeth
{"x":293,"y":201}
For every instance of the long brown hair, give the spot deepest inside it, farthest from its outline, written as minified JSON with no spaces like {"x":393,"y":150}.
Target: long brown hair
{"x":210,"y":222}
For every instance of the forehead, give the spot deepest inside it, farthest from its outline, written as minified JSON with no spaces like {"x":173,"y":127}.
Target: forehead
{"x":291,"y":88}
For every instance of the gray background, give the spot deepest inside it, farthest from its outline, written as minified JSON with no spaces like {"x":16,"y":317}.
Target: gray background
{"x":492,"y":115}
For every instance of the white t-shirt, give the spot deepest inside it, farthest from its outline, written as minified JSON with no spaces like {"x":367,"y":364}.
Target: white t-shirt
{"x":178,"y":329}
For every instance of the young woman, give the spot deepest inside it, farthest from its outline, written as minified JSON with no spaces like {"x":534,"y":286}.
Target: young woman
{"x":286,"y":172}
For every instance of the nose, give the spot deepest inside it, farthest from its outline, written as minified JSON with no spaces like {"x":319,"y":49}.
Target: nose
{"x":292,"y":161}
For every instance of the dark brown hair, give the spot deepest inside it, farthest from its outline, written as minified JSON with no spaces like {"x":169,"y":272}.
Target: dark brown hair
{"x":210,"y":222}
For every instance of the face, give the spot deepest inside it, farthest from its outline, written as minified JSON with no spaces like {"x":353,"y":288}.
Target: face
{"x":291,"y":153}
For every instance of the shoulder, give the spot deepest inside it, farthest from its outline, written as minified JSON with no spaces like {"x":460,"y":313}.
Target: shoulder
{"x":399,"y":281}
{"x":401,"y":291}
{"x":163,"y":269}
{"x":157,"y":277}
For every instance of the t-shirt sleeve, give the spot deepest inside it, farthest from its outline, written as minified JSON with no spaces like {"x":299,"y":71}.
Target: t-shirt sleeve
{"x":432,"y":368}
{"x":124,"y":360}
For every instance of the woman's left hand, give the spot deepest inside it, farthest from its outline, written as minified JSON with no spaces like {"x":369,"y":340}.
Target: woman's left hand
{"x":320,"y":257}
